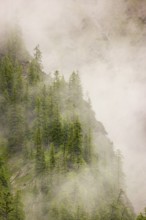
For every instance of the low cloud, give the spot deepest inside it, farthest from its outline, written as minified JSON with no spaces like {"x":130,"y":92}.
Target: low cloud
{"x":105,"y":42}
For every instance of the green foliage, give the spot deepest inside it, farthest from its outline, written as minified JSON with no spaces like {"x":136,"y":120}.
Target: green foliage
{"x":75,"y":145}
{"x":11,"y":81}
{"x":35,"y":68}
{"x":142,"y":216}
{"x":40,"y":157}
{"x":88,"y":147}
{"x":18,"y":207}
{"x":16,"y":128}
{"x":10,"y":206}
{"x":75,"y":87}
{"x":56,"y":127}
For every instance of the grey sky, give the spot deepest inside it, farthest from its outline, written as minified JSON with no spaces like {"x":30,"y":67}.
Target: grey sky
{"x":106,"y":42}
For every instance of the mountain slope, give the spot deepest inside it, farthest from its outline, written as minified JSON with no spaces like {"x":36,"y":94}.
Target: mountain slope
{"x":59,"y":156}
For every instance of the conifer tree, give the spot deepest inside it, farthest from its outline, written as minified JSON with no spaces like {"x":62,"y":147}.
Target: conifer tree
{"x":7,"y":77}
{"x":88,"y":147}
{"x":56,"y":127}
{"x":45,"y":116}
{"x":35,"y":68}
{"x":75,"y":90}
{"x":11,"y":81}
{"x":16,"y":126}
{"x":75,"y":141}
{"x":40,"y":157}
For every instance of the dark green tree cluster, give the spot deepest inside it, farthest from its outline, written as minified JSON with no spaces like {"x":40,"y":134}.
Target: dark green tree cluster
{"x":49,"y":118}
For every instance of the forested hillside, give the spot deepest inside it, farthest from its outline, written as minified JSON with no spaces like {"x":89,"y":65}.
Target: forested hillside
{"x":56,"y":161}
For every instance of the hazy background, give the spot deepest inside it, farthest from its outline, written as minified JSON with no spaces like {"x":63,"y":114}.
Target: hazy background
{"x":105,"y":40}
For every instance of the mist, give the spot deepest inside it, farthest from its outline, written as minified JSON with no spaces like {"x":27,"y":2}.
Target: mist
{"x":105,"y":42}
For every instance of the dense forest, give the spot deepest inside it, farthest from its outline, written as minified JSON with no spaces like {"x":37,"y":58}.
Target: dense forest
{"x":56,"y":160}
